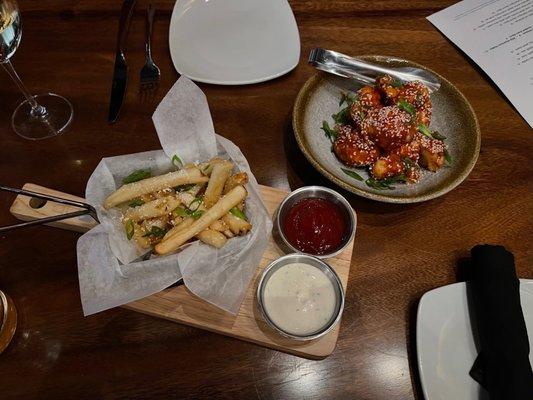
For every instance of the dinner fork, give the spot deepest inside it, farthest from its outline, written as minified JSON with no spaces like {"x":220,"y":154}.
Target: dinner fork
{"x":150,"y":73}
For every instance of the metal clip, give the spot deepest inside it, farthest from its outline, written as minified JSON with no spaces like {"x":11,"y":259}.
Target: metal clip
{"x":87,"y":209}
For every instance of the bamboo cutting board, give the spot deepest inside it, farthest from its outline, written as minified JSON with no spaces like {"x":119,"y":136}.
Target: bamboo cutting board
{"x":179,"y":305}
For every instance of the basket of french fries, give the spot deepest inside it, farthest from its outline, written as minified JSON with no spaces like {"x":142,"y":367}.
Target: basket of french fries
{"x":191,"y":211}
{"x":204,"y":201}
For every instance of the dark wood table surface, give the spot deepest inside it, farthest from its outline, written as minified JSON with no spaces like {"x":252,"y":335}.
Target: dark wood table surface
{"x":401,"y":251}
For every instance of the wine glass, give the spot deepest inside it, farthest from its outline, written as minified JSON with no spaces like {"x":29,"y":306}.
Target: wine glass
{"x":41,"y":116}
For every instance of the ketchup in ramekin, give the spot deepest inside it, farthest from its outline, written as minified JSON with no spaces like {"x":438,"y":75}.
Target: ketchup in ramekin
{"x":315,"y":226}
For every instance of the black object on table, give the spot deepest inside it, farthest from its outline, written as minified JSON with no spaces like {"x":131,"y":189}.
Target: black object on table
{"x":502,"y":366}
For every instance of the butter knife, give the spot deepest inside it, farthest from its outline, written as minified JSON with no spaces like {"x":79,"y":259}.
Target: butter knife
{"x":120,"y":72}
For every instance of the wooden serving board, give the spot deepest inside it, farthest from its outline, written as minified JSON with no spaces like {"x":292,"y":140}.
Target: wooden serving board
{"x":179,"y":305}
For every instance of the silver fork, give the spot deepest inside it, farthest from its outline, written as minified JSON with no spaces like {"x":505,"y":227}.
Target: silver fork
{"x":150,"y":73}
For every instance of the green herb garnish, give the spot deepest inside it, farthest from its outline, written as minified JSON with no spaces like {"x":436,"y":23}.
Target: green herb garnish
{"x":138,"y":175}
{"x":396,"y":83}
{"x":136,"y":203}
{"x":342,"y":117}
{"x":238,"y":213}
{"x":197,"y":201}
{"x":385,"y":184}
{"x":184,"y":188}
{"x":353,"y":174}
{"x":348,"y":98}
{"x":407,"y":107}
{"x":407,"y":162}
{"x":424,"y":130}
{"x":197,"y":214}
{"x":438,"y":136}
{"x":331,"y":134}
{"x":180,"y":212}
{"x":156,"y":232}
{"x":176,"y":161}
{"x":130,"y":229}
{"x":447,"y":157}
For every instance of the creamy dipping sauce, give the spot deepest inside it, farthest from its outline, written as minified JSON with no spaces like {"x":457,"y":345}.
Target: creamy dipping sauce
{"x":299,"y":299}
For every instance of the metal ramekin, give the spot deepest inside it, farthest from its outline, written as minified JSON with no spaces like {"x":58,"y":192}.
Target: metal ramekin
{"x":324,"y":267}
{"x":317,"y":192}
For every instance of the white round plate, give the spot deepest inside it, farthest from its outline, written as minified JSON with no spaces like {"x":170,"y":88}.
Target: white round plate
{"x":233,"y":42}
{"x":445,"y":345}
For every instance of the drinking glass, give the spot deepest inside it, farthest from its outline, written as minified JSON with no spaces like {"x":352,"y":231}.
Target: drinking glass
{"x":41,"y":116}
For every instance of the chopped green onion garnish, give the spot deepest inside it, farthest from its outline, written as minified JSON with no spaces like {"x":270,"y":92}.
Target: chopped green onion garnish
{"x":197,"y":201}
{"x":176,"y":161}
{"x":447,"y":156}
{"x":385,"y":184}
{"x":130,"y":229}
{"x":331,"y":134}
{"x":348,"y":98}
{"x":197,"y":214}
{"x":424,"y":130}
{"x":407,"y":107}
{"x":180,"y":212}
{"x":156,"y":231}
{"x":342,"y":117}
{"x":137,"y":176}
{"x":136,"y":203}
{"x":353,"y":174}
{"x":396,"y":83}
{"x":238,"y":213}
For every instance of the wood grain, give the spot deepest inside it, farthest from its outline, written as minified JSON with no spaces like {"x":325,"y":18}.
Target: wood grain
{"x":400,"y":252}
{"x":180,"y":305}
{"x":23,"y":209}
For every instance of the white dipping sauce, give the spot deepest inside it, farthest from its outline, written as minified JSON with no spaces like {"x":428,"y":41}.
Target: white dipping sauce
{"x":299,"y":298}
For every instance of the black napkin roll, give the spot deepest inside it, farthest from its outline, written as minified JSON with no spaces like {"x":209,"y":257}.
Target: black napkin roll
{"x":502,"y":366}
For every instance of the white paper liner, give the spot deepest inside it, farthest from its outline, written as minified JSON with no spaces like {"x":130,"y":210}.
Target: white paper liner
{"x":110,"y":267}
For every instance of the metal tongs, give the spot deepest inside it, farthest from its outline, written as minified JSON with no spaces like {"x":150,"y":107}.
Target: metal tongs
{"x":349,"y":67}
{"x":87,"y":209}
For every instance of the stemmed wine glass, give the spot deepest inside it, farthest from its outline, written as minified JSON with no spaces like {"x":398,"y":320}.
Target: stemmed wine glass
{"x":41,"y":116}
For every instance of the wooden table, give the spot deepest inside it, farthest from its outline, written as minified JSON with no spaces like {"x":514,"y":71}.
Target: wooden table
{"x":400,"y":251}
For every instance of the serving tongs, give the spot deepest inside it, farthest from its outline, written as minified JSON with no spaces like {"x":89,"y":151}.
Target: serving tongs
{"x":86,"y":209}
{"x":364,"y":72}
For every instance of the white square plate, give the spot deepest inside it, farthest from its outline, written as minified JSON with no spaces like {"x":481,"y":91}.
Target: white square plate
{"x":233,"y":42}
{"x":445,"y":345}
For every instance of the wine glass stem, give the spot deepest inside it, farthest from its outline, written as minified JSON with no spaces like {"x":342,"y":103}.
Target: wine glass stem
{"x":36,"y":110}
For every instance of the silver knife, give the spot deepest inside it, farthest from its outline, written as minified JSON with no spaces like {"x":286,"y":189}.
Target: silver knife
{"x":120,"y":73}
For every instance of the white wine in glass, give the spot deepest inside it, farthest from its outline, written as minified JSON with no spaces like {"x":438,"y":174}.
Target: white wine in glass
{"x":41,"y":116}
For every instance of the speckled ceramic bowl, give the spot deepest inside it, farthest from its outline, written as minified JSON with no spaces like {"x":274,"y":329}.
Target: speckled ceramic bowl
{"x":452,"y":116}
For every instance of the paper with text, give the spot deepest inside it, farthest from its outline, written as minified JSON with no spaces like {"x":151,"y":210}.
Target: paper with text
{"x":498,"y":36}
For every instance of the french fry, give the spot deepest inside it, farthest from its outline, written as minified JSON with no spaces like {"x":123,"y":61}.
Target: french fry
{"x":154,"y":208}
{"x":207,"y":167}
{"x":237,"y":225}
{"x":185,"y":223}
{"x":213,"y":238}
{"x":149,"y":185}
{"x":219,"y":175}
{"x":234,"y":180}
{"x":216,"y":212}
{"x":229,"y":234}
{"x":218,"y":226}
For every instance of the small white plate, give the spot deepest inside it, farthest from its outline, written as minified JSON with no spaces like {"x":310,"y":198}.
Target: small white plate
{"x":233,"y":42}
{"x":445,"y":345}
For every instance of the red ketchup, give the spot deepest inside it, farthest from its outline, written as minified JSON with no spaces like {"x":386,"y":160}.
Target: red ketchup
{"x":315,"y":226}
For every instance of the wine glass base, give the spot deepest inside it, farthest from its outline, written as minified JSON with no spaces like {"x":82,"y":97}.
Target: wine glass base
{"x":27,"y":124}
